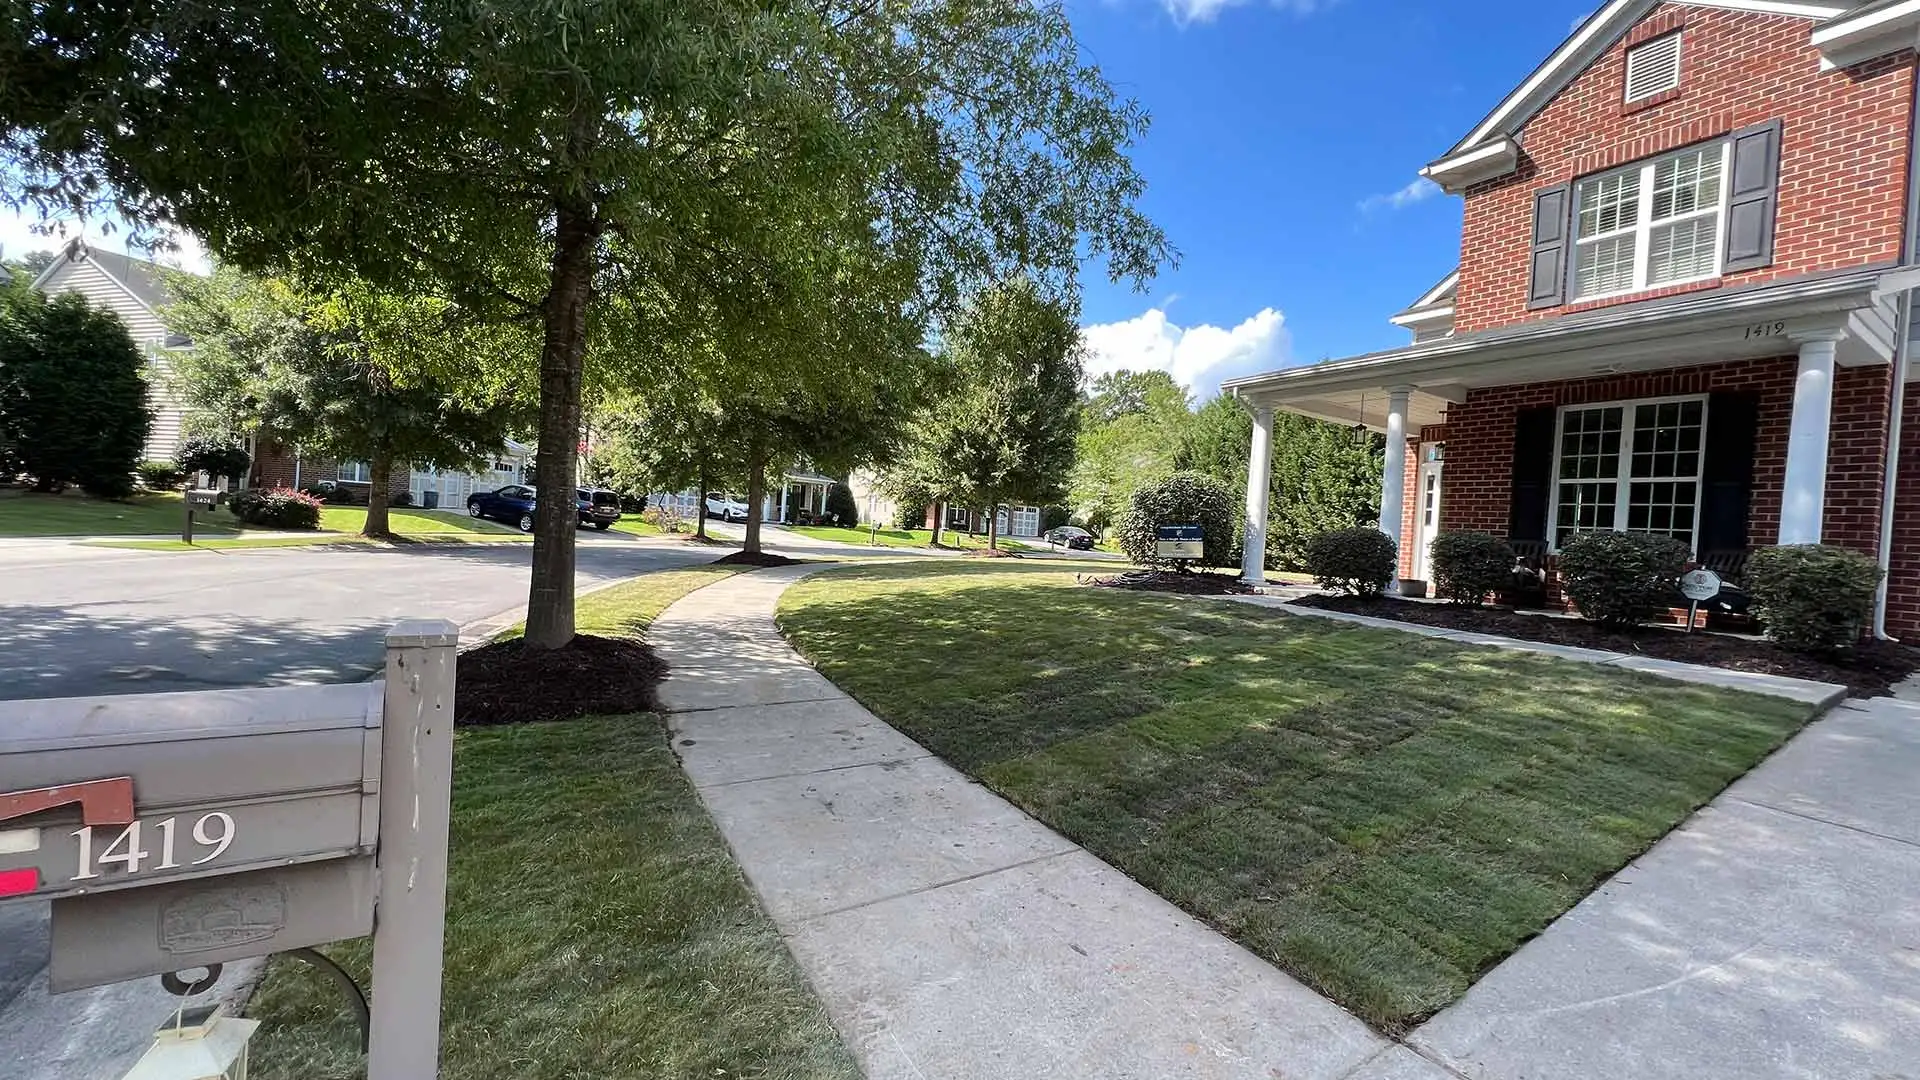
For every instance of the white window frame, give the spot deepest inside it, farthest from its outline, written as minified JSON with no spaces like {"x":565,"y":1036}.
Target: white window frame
{"x":1643,"y":225}
{"x":362,"y":472}
{"x":1624,"y":481}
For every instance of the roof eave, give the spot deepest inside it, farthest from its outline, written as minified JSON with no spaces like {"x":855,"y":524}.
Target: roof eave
{"x":1458,"y":172}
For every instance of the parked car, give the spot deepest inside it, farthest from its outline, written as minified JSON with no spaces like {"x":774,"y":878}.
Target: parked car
{"x":513,"y":504}
{"x":726,"y":508}
{"x":1071,"y":537}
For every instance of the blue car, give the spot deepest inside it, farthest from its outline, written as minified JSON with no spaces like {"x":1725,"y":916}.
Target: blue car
{"x":513,"y":504}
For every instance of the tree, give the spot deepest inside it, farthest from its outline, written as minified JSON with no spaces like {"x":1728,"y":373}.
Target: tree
{"x":354,"y":374}
{"x":73,"y":394}
{"x":1005,"y":428}
{"x":670,"y":439}
{"x":1130,"y":436}
{"x":538,"y":160}
{"x":842,"y":506}
{"x":1325,"y":478}
{"x":219,"y":455}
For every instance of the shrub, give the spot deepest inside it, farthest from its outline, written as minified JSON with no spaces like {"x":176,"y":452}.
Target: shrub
{"x":1358,"y":562}
{"x":1185,"y":498}
{"x":1469,"y":565}
{"x":215,"y":455}
{"x":1620,"y":579}
{"x":1814,"y":597}
{"x":400,"y":500}
{"x":73,"y":396}
{"x":841,"y":507}
{"x":1052,"y":517}
{"x":665,"y":517}
{"x":159,"y":475}
{"x":279,"y":508}
{"x":632,"y":504}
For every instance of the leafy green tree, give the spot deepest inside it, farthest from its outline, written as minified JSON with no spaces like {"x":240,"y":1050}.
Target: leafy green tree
{"x":670,"y":440}
{"x":843,"y":507}
{"x":1325,"y":478}
{"x":219,"y":455}
{"x":354,"y":374}
{"x":1216,"y":440}
{"x":537,"y":161}
{"x":1004,"y":428}
{"x":1130,"y":436}
{"x":73,"y":394}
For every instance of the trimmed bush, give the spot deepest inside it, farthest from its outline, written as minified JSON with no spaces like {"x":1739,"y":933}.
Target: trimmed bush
{"x":1185,"y":498}
{"x":841,"y":506}
{"x":1469,"y":565}
{"x":1814,"y":597}
{"x":73,"y":396}
{"x":279,"y":508}
{"x":159,"y":475}
{"x":1622,"y":579}
{"x":1358,"y":561}
{"x":215,"y":455}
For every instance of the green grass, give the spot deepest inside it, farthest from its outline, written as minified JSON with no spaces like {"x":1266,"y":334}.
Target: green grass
{"x":596,"y":925}
{"x":905,"y":538}
{"x":631,"y":523}
{"x":1383,"y":815}
{"x":409,"y":522}
{"x":627,"y":609}
{"x":74,"y":514}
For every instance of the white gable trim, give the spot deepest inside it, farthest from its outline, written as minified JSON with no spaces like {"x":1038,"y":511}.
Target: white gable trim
{"x":1434,"y":294}
{"x":67,"y":258}
{"x":1593,"y":38}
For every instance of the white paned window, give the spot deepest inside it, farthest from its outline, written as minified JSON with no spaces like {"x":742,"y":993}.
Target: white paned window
{"x":1655,"y":223}
{"x":353,"y":472}
{"x":1630,"y":467}
{"x":1653,"y":67}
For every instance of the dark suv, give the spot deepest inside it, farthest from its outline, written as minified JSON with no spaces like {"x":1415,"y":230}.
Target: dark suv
{"x":599,"y":507}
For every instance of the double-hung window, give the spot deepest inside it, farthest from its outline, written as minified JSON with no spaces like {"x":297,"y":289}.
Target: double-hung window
{"x":1651,"y":224}
{"x":353,"y":472}
{"x":1630,"y":467}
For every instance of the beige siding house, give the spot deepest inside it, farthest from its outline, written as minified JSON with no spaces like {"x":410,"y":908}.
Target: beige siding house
{"x":134,"y":290}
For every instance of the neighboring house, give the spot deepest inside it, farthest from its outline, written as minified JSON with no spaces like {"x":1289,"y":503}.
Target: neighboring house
{"x":1682,"y":300}
{"x":1015,"y":521}
{"x":134,"y":290}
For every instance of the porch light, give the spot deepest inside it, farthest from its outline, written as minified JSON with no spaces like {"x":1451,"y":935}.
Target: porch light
{"x":200,"y":1044}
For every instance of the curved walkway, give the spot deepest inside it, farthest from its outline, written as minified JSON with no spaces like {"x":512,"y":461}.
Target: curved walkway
{"x":949,"y":934}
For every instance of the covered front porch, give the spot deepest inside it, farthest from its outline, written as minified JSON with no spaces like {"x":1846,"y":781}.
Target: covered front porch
{"x":1727,"y":418}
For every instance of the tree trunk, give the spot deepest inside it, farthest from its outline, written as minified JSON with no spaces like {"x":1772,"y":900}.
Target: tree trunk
{"x":756,"y":494}
{"x":993,"y":527}
{"x":379,"y":470}
{"x":939,"y":518}
{"x":563,"y":353}
{"x":700,"y":515}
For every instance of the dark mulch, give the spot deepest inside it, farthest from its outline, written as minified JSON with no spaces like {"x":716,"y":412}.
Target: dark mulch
{"x":508,"y":683}
{"x":757,"y":558}
{"x":1201,"y":584}
{"x":1867,"y":669}
{"x":992,"y":553}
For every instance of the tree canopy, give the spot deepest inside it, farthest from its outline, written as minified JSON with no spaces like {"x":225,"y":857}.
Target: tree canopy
{"x":73,"y":394}
{"x":598,"y":171}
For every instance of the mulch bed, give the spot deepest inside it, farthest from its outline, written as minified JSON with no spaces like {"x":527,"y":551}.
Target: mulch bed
{"x":758,"y":558}
{"x":992,"y":553}
{"x":508,"y":683}
{"x":1169,"y":581}
{"x":1869,"y":668}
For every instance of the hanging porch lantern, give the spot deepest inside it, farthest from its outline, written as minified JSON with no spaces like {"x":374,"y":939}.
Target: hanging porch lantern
{"x":200,"y":1044}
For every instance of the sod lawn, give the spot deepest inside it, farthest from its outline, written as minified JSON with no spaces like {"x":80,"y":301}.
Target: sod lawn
{"x":906,"y":538}
{"x":27,"y":513}
{"x":596,"y":925}
{"x":1384,"y":816}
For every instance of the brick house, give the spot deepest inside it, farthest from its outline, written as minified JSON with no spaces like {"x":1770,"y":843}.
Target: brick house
{"x":1682,"y":302}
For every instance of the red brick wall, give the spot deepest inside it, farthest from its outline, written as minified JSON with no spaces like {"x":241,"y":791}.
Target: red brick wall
{"x":1903,"y":574}
{"x":1843,"y":156}
{"x":1410,"y":507}
{"x":273,"y":467}
{"x":1477,"y":485}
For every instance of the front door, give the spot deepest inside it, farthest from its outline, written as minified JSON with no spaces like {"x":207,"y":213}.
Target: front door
{"x":1429,"y":521}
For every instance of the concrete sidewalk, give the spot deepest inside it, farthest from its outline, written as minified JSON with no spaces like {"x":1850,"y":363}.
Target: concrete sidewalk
{"x":949,"y":934}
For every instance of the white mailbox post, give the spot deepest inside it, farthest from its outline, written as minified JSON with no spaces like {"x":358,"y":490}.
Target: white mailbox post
{"x":176,"y":831}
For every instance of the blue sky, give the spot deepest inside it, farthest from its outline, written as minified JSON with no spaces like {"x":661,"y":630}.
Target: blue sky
{"x":1286,"y":142}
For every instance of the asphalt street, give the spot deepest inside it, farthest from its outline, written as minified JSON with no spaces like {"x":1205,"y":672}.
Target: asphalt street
{"x":81,"y":621}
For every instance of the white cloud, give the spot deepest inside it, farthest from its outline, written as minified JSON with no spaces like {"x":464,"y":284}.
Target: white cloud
{"x":1420,"y":190}
{"x":1185,"y":12}
{"x":1198,"y":357}
{"x":22,"y":231}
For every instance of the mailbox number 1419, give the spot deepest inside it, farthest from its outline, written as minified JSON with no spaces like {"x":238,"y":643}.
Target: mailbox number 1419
{"x":214,"y":830}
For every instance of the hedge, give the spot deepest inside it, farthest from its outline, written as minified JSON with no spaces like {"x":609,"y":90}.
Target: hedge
{"x":1622,"y":579}
{"x":1469,"y":565}
{"x":1185,"y":498}
{"x":1813,"y":597}
{"x":1358,"y":561}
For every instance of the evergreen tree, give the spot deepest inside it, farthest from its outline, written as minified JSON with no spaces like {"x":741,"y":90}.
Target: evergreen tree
{"x":73,"y":394}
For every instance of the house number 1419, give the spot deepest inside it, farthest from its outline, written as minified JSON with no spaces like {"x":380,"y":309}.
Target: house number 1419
{"x":214,"y":830}
{"x":1766,"y":329}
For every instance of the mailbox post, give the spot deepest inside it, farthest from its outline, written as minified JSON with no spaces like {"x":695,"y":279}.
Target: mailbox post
{"x":177,"y":831}
{"x":197,"y":499}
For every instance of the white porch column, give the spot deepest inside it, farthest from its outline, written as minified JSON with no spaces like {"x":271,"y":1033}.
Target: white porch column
{"x":1803,"y":500}
{"x":1253,"y":552}
{"x":1393,"y":481}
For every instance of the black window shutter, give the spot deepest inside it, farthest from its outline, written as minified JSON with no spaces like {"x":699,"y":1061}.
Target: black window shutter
{"x":1726,"y":475}
{"x":1753,"y":196}
{"x":1547,"y":280}
{"x":1532,"y":474}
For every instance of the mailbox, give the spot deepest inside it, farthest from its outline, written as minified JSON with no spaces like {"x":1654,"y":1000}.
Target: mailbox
{"x":176,"y":831}
{"x":202,"y":499}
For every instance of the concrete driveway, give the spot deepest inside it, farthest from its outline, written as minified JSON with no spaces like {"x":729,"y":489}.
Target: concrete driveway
{"x":79,"y":621}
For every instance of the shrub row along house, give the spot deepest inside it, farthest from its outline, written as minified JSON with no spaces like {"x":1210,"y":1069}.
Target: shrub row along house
{"x":1682,"y":304}
{"x":136,"y":291}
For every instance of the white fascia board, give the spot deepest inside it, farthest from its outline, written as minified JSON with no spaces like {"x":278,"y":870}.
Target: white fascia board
{"x":1423,"y":316}
{"x":1772,"y":7}
{"x":1434,"y":294}
{"x":1873,"y":22}
{"x":1461,"y":171}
